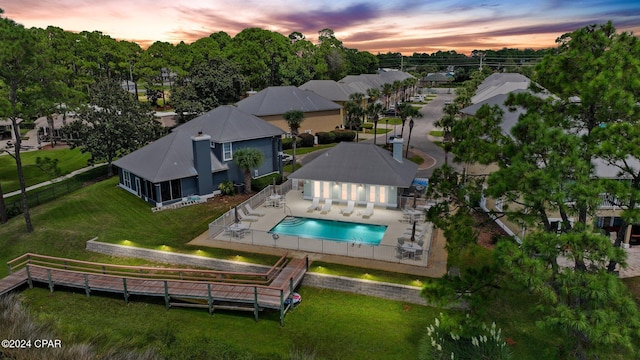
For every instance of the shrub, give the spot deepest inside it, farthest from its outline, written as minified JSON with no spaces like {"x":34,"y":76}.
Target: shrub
{"x":262,"y":182}
{"x":326,"y":137}
{"x":344,"y":135}
{"x":467,"y":340}
{"x":287,"y":143}
{"x":226,"y":187}
{"x":305,"y":140}
{"x":367,"y":126}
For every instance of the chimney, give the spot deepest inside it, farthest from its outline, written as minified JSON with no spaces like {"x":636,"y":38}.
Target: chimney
{"x":397,"y":149}
{"x":201,"y":145}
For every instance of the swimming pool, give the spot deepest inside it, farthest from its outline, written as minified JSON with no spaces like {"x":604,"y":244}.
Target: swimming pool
{"x":342,"y":231}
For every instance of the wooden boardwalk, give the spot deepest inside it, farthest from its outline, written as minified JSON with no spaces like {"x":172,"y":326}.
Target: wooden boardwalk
{"x":238,"y":291}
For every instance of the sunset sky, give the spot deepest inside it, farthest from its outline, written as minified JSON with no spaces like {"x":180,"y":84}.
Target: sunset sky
{"x":405,"y":26}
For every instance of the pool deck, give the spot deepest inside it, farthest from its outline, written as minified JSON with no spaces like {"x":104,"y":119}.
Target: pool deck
{"x":437,"y":261}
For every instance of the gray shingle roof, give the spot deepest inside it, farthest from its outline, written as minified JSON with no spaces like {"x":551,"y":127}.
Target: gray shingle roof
{"x":228,"y":124}
{"x":358,"y":163}
{"x":171,"y":157}
{"x":328,"y":89}
{"x":277,"y":100}
{"x":500,"y":83}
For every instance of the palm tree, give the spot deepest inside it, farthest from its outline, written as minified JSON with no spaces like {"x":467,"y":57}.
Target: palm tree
{"x":294,"y":119}
{"x":374,"y":94}
{"x":373,"y":112}
{"x":247,"y":159}
{"x":354,"y":112}
{"x":397,"y":86}
{"x":405,"y":110}
{"x":387,"y":90}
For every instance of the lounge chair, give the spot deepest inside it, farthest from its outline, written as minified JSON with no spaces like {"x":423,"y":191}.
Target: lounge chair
{"x":349,"y":209}
{"x":315,"y":205}
{"x":326,"y":207}
{"x":252,"y":212}
{"x":246,"y":217}
{"x":368,"y":211}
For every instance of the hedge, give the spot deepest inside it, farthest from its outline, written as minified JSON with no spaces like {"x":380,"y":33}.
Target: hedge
{"x":305,"y":140}
{"x":326,"y":137}
{"x":344,"y":135}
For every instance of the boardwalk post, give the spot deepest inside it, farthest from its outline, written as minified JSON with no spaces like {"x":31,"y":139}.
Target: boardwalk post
{"x":281,"y":308}
{"x":86,"y":285}
{"x":50,"y":281}
{"x":10,"y":271}
{"x":29,"y":281}
{"x":166,"y":295}
{"x":124,"y":290}
{"x":209,"y":299}
{"x":255,"y":303}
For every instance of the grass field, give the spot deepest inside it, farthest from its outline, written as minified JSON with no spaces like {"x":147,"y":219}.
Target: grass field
{"x":329,"y":324}
{"x":68,"y":161}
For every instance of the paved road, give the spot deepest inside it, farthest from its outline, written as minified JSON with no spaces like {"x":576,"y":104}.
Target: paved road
{"x":420,"y":139}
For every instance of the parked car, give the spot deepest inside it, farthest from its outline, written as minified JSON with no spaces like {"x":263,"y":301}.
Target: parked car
{"x":287,"y":159}
{"x":390,"y":112}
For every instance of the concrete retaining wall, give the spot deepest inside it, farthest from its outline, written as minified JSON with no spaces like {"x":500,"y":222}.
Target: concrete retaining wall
{"x":410,"y":294}
{"x":396,"y":292}
{"x":172,"y":258}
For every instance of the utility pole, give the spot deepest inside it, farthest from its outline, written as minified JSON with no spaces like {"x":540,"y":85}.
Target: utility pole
{"x":481,"y":54}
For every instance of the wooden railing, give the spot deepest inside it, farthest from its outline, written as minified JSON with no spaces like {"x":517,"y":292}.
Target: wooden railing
{"x":148,"y":272}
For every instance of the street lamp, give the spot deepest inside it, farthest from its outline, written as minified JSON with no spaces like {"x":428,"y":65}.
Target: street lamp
{"x":406,"y":154}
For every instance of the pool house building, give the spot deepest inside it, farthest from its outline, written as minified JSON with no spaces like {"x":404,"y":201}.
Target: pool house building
{"x":364,"y":173}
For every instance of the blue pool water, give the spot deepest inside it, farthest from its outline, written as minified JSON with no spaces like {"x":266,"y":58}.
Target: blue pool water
{"x":330,"y":230}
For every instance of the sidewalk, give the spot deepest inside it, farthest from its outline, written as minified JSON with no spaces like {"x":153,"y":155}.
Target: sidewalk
{"x":70,"y":175}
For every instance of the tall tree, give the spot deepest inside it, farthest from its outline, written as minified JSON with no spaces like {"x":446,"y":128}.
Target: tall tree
{"x":373,"y":112}
{"x":207,"y":86}
{"x":547,"y":166}
{"x":355,"y":112}
{"x":333,"y":52}
{"x":406,"y":111}
{"x":20,"y":70}
{"x":294,"y":119}
{"x":248,"y":159}
{"x":113,"y":125}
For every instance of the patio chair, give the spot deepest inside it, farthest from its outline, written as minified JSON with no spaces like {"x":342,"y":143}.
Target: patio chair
{"x":400,"y":253}
{"x":246,"y":217}
{"x":252,"y":212}
{"x":400,"y":241}
{"x":349,"y":209}
{"x":368,"y":211}
{"x":418,"y":254}
{"x":326,"y":207}
{"x":421,"y":242}
{"x":315,"y":205}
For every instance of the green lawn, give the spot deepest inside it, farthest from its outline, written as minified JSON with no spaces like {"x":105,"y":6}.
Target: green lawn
{"x":68,"y":161}
{"x":330,"y":324}
{"x":355,"y":326}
